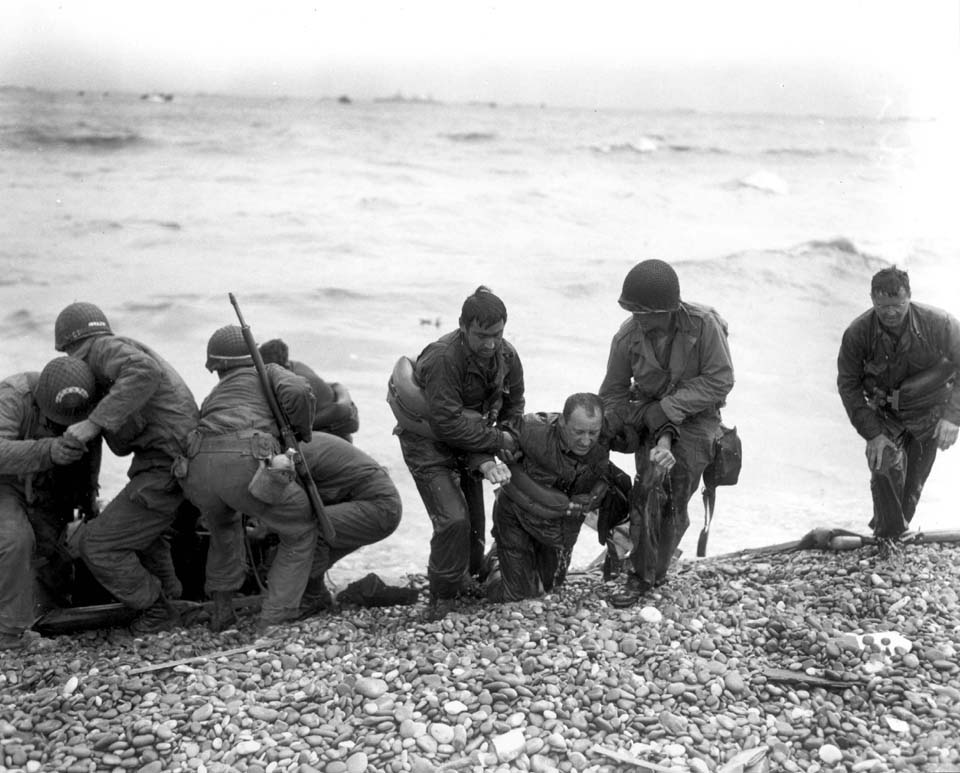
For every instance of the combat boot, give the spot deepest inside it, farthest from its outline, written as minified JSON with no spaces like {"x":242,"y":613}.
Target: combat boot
{"x":633,"y":591}
{"x":316,"y":598}
{"x":159,"y":616}
{"x":223,"y":615}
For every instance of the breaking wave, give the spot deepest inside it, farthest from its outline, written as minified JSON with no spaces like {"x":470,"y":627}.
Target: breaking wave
{"x":79,"y":137}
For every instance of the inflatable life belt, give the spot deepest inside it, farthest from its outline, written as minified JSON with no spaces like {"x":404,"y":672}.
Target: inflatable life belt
{"x":407,"y":400}
{"x":409,"y":403}
{"x":541,"y":500}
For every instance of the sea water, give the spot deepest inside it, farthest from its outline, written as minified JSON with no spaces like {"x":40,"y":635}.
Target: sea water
{"x":354,"y":232}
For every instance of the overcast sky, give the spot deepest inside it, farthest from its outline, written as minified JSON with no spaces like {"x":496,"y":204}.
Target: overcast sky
{"x":873,"y":57}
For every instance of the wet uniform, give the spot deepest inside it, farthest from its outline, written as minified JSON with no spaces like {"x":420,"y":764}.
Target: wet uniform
{"x":533,"y":550}
{"x":688,"y":372}
{"x":147,"y":411}
{"x":236,"y":431}
{"x":37,"y":500}
{"x":874,"y":360}
{"x":446,"y":469}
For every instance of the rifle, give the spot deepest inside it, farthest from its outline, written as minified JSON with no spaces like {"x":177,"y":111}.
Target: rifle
{"x":286,"y":431}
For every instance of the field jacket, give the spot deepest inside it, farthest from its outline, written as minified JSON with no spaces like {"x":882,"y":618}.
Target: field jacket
{"x":147,"y":408}
{"x":698,"y":379}
{"x":872,"y":358}
{"x":454,"y":380}
{"x":237,"y":403}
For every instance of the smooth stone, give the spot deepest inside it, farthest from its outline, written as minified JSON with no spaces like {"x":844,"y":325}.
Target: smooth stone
{"x":830,"y":754}
{"x":370,"y":687}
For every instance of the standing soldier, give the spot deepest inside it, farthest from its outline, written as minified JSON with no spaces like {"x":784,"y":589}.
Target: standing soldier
{"x":472,"y":381}
{"x":44,"y":476}
{"x":146,"y":410}
{"x":897,"y":368}
{"x":668,"y":374}
{"x":230,"y":473}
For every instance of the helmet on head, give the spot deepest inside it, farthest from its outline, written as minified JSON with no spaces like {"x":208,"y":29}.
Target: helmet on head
{"x":651,"y":285}
{"x":78,"y":321}
{"x":66,"y":391}
{"x":227,"y":349}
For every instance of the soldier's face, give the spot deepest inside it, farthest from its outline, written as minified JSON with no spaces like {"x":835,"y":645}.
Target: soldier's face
{"x":892,"y":309}
{"x":483,"y":341}
{"x":581,"y":431}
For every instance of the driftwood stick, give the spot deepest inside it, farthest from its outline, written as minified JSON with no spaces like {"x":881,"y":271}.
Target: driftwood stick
{"x":629,"y":759}
{"x":209,"y":656}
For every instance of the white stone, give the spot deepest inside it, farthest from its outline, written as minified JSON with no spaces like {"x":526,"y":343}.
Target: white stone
{"x":830,"y":754}
{"x":897,"y":725}
{"x":651,"y":615}
{"x":454,"y":707}
{"x":509,"y":746}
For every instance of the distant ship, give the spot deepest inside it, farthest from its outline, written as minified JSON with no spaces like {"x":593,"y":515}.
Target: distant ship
{"x":416,"y":98}
{"x":157,"y":97}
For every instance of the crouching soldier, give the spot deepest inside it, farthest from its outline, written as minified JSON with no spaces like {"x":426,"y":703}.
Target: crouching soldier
{"x":668,"y":374}
{"x":360,"y":500}
{"x":146,"y":410}
{"x":564,"y":473}
{"x":44,"y":476}
{"x":228,"y":475}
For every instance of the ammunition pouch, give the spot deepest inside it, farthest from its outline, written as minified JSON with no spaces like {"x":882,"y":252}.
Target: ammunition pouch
{"x":269,"y":483}
{"x":724,"y":468}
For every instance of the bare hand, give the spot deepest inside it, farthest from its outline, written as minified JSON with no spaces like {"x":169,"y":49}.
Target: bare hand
{"x":945,"y":434}
{"x":66,"y":450}
{"x":876,"y":448}
{"x":495,"y":472}
{"x":662,"y":458}
{"x":84,"y":431}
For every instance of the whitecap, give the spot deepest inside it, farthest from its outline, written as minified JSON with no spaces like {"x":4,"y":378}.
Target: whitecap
{"x":765,"y":181}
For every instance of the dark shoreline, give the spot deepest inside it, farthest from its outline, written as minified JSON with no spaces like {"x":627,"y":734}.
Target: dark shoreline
{"x":563,"y":683}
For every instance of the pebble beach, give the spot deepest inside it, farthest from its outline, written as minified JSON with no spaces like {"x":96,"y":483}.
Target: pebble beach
{"x":755,"y":661}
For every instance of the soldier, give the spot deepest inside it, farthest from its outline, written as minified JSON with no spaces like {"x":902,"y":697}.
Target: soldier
{"x":232,"y":470}
{"x":360,"y":500}
{"x":668,"y":373}
{"x":563,"y":474}
{"x":146,"y":410}
{"x":472,"y":380}
{"x":336,"y":413}
{"x":897,"y":368}
{"x":44,"y":476}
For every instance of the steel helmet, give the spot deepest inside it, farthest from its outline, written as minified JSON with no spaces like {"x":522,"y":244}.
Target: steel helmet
{"x":66,"y":391}
{"x":651,"y":285}
{"x":78,"y":321}
{"x":227,"y":349}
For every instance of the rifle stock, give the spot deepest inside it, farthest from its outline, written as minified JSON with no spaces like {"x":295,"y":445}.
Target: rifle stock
{"x":286,"y":431}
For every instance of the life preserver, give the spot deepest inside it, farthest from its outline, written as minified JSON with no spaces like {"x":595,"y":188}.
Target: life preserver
{"x":407,"y":400}
{"x":544,"y":501}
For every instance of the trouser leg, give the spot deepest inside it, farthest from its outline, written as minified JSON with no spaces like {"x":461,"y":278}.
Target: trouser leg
{"x":517,"y":556}
{"x":131,"y":524}
{"x":16,"y":570}
{"x":226,"y":552}
{"x":921,"y":455}
{"x":472,"y":489}
{"x":372,"y":516}
{"x":658,"y":513}
{"x":450,"y":543}
{"x":896,"y":487}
